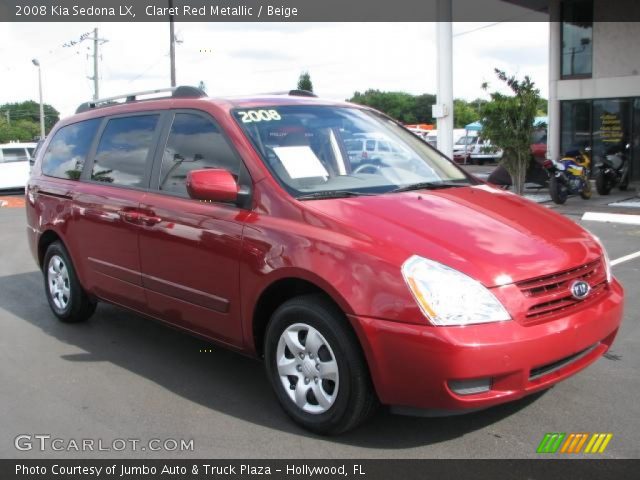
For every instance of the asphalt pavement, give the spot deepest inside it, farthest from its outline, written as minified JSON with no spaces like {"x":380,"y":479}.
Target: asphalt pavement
{"x":120,"y":376}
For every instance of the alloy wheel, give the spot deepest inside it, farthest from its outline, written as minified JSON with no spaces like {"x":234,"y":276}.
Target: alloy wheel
{"x":58,"y":281}
{"x":307,"y":368}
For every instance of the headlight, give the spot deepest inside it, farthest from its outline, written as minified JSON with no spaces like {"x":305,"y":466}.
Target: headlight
{"x":449,"y":297}
{"x":607,"y":261}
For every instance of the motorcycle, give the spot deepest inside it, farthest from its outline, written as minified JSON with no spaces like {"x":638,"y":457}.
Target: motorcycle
{"x":613,"y":170}
{"x":569,"y":176}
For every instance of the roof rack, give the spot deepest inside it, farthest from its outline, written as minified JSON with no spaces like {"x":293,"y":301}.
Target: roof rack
{"x":293,"y":93}
{"x":183,"y":91}
{"x":302,"y":93}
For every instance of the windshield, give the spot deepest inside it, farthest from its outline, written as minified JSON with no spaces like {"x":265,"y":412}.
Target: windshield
{"x":466,"y":140}
{"x":322,"y":149}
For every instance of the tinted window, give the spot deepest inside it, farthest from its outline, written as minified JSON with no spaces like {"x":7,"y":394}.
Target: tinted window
{"x":371,"y":145}
{"x":353,"y":145}
{"x":68,"y":150}
{"x":194,"y":143}
{"x":14,"y":155}
{"x":123,"y":150}
{"x":577,"y":37}
{"x":383,"y":146}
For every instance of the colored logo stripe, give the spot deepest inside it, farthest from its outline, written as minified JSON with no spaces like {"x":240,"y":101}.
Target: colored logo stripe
{"x":550,"y":442}
{"x":598,"y":443}
{"x":573,"y":442}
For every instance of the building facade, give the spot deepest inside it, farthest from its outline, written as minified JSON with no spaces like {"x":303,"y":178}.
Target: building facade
{"x":594,"y":84}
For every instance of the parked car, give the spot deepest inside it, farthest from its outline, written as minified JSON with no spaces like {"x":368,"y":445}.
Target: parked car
{"x":369,"y":149}
{"x":463,"y":147}
{"x":244,"y":221}
{"x":14,"y":164}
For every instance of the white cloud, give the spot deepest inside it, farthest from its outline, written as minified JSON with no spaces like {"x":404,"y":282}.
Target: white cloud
{"x":233,"y":58}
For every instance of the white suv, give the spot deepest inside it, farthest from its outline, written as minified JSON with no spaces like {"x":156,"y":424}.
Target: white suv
{"x":15,"y":164}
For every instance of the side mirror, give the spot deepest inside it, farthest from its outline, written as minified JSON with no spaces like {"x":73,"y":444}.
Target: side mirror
{"x":217,"y":185}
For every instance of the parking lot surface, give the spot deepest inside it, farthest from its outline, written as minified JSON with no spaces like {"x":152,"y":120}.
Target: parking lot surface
{"x":123,"y":376}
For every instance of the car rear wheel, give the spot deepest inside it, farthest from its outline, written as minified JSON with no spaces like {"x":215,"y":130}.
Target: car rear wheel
{"x":67,"y":299}
{"x":316,"y":366}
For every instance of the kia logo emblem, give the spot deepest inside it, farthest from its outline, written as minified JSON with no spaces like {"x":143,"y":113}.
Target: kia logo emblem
{"x":580,"y":289}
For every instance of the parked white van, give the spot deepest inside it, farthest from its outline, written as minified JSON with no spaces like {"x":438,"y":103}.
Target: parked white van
{"x":15,"y":164}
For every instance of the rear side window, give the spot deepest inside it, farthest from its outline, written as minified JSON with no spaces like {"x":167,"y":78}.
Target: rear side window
{"x":371,"y":145}
{"x":68,"y":149}
{"x":123,"y":150}
{"x":13,"y":155}
{"x":194,"y":143}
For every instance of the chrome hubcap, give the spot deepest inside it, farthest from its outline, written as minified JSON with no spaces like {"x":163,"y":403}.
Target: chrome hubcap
{"x":308,"y":369}
{"x":58,"y":281}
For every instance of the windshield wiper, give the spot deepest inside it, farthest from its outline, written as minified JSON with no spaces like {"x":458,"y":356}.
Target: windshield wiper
{"x":332,"y":194}
{"x":430,"y":186}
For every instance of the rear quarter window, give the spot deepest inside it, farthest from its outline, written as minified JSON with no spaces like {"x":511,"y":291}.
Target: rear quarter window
{"x":68,"y":149}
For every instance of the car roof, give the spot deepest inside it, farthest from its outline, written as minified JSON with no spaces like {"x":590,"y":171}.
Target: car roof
{"x":223,"y":103}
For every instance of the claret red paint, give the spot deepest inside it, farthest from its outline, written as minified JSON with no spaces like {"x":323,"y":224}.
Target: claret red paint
{"x":357,"y":261}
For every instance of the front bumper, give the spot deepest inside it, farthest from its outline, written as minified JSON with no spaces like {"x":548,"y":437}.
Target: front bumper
{"x":412,"y":365}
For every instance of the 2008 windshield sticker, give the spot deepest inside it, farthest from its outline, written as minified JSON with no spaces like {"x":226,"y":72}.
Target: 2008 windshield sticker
{"x":252,"y":116}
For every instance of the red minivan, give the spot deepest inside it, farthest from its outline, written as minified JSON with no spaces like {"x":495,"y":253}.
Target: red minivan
{"x":401,"y":281}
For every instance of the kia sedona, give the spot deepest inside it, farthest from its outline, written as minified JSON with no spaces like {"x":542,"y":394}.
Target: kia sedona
{"x":249,"y":222}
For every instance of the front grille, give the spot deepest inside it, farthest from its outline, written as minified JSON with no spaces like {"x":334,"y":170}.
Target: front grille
{"x":557,"y":365}
{"x":550,"y":295}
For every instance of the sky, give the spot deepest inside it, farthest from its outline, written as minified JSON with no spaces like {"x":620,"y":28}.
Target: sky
{"x":247,"y":58}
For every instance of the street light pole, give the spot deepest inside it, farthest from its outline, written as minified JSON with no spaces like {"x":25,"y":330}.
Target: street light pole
{"x":37,"y":64}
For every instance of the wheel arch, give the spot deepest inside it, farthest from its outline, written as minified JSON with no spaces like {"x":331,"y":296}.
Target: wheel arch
{"x":279,"y":291}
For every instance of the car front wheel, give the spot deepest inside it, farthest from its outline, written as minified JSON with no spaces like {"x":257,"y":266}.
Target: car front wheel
{"x":316,"y":366}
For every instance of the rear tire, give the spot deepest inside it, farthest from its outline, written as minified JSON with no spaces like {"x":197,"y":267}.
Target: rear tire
{"x":316,"y":366}
{"x":67,"y":299}
{"x":603,"y":186}
{"x":557,"y":191}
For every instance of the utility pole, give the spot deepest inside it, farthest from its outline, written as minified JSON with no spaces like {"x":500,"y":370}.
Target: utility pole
{"x":96,"y":43}
{"x":172,"y":45}
{"x":95,"y":64}
{"x":8,"y":115}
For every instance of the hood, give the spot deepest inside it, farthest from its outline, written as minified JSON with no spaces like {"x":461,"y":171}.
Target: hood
{"x":489,"y":234}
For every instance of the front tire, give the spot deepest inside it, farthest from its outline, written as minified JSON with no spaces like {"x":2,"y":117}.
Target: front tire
{"x":557,"y":191}
{"x":316,"y":366}
{"x":67,"y":299}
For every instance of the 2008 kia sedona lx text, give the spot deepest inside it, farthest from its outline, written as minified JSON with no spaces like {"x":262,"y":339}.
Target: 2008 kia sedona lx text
{"x":258,"y":223}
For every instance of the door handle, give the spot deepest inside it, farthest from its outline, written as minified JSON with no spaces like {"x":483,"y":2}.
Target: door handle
{"x":150,"y":220}
{"x":130,"y":216}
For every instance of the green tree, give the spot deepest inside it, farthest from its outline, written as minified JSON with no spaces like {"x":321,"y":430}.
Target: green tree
{"x":542,"y":107}
{"x":30,"y":110}
{"x":508,"y":122}
{"x":304,"y":82}
{"x":402,"y":106}
{"x":464,"y":113}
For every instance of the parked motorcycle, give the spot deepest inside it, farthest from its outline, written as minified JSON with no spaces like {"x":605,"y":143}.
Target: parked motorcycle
{"x":613,"y":170}
{"x":569,"y":176}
